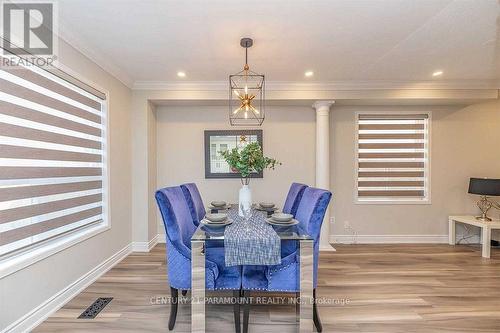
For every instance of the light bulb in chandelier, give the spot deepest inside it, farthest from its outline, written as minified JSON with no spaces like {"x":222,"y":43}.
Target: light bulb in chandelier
{"x":246,"y":102}
{"x":246,"y":99}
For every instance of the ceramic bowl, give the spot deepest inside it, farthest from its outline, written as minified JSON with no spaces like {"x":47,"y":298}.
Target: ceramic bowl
{"x":216,"y":224}
{"x":266,"y":204}
{"x":282,"y":217}
{"x":216,"y":217}
{"x":218,"y":203}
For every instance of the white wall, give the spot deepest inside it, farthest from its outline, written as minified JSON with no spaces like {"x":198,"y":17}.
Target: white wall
{"x":465,"y":143}
{"x":288,"y":136}
{"x":28,"y":288}
{"x":144,"y":209}
{"x":152,"y":175}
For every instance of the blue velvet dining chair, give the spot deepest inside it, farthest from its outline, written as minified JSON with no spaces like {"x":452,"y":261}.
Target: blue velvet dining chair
{"x":194,"y":201}
{"x":197,"y":209}
{"x":293,"y":198}
{"x":179,"y":229}
{"x":285,"y":277}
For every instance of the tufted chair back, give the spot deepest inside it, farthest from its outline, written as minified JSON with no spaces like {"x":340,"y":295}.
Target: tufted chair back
{"x":177,"y":218}
{"x":195,"y":202}
{"x":293,"y":198}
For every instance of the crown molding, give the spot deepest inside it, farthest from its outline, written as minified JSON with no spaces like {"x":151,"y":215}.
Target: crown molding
{"x":105,"y":63}
{"x":322,"y":86}
{"x":355,"y":85}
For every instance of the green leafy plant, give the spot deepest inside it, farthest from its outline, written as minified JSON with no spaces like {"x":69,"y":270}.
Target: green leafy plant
{"x":248,"y":160}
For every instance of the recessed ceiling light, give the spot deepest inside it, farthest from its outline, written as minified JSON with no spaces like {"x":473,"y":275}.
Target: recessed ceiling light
{"x":437,"y":73}
{"x":181,"y":74}
{"x":309,"y":73}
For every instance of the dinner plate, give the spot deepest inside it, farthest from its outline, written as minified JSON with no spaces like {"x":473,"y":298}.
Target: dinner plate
{"x":272,"y":209}
{"x":216,"y":224}
{"x":282,"y":224}
{"x":219,"y":208}
{"x":267,"y":205}
{"x":216,"y":217}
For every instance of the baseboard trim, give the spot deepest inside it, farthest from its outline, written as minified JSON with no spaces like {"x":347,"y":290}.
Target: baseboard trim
{"x":145,"y":246}
{"x":36,"y":316}
{"x":161,"y":239}
{"x":153,"y":242}
{"x":389,"y":239}
{"x":327,"y":248}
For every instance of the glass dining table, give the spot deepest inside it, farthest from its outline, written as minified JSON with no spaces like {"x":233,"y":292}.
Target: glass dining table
{"x":203,"y":235}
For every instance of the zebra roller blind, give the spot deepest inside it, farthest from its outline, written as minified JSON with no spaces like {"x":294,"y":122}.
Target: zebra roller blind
{"x":393,"y":157}
{"x":52,"y":161}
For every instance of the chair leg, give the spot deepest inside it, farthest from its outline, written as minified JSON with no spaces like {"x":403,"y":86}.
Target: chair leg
{"x":246,"y":310}
{"x":297,"y":307}
{"x":236,"y":309}
{"x":317,"y":321}
{"x":184,"y":292}
{"x":173,"y":308}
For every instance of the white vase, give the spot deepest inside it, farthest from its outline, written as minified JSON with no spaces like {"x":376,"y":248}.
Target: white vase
{"x":245,"y":199}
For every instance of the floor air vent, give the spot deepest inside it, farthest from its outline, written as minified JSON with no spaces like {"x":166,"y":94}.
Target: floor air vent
{"x":96,"y":307}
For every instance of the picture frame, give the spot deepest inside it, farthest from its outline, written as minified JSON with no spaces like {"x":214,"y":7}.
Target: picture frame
{"x":219,"y":140}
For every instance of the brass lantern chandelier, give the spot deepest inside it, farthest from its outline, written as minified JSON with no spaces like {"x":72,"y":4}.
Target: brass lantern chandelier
{"x":246,"y":94}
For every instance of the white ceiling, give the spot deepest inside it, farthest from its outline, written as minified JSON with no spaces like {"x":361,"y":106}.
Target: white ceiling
{"x":340,"y":40}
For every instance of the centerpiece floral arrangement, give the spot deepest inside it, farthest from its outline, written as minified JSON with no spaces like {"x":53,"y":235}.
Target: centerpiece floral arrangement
{"x":248,"y":160}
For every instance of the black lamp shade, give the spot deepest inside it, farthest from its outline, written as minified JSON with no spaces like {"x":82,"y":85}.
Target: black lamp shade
{"x":484,"y":186}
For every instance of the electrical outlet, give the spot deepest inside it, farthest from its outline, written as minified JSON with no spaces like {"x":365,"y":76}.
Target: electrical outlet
{"x":332,"y":220}
{"x":347,"y":225}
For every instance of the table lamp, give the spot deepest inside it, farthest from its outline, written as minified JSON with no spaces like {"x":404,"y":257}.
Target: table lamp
{"x":485,"y":187}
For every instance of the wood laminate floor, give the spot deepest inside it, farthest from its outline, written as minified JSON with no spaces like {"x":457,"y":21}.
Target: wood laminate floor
{"x":375,"y":288}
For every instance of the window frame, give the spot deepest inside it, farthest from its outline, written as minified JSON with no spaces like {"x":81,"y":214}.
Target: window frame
{"x":427,"y":169}
{"x":31,"y":254}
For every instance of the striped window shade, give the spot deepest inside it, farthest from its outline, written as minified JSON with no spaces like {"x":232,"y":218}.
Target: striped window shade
{"x":393,"y":157}
{"x":52,"y":160}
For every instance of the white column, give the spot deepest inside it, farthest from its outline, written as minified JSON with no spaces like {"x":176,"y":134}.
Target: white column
{"x":323,"y":162}
{"x":486,"y":239}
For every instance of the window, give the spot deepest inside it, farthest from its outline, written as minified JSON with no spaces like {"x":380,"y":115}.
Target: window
{"x":223,"y":147}
{"x":393,"y":158}
{"x":213,"y":151}
{"x":52,"y":157}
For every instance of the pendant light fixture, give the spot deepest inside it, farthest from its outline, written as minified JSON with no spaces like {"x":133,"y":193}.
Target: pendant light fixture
{"x":246,"y":94}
